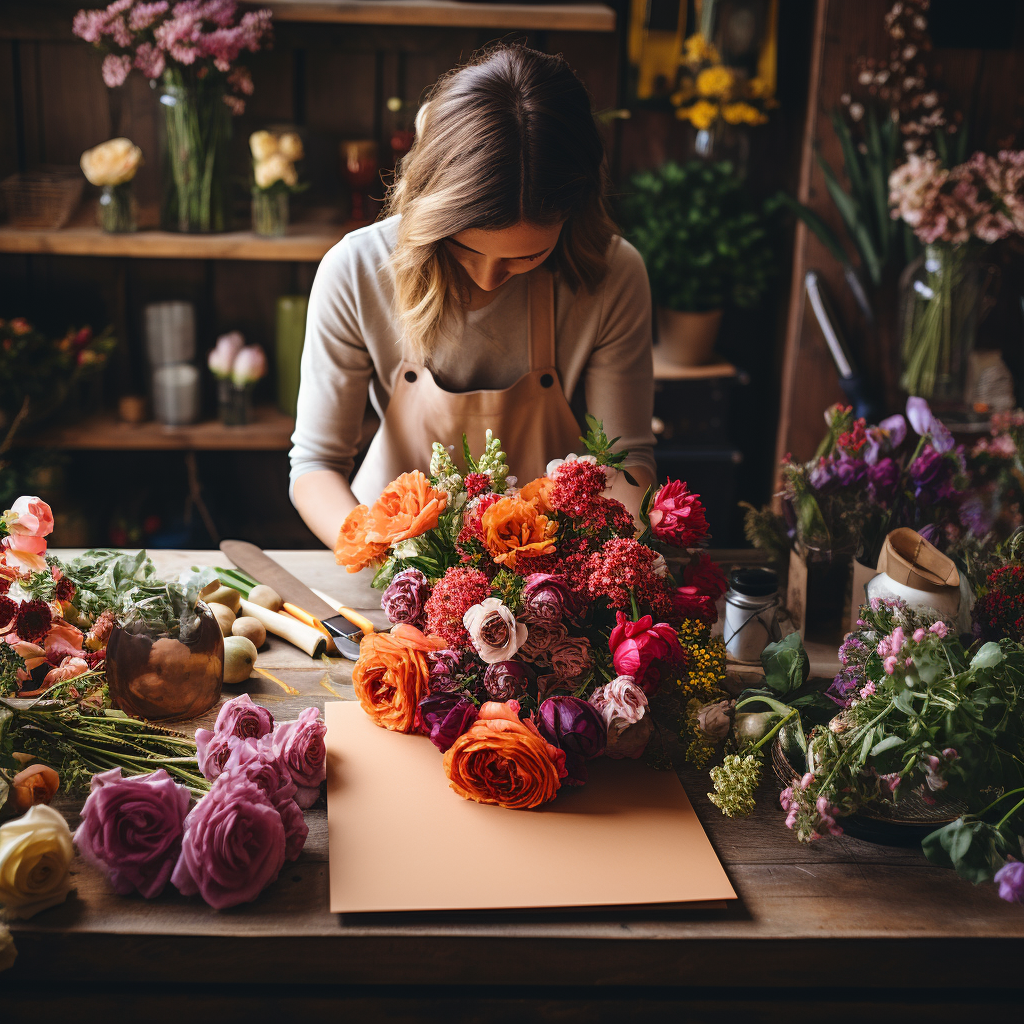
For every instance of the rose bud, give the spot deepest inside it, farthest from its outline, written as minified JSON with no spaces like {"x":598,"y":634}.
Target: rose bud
{"x":715,"y":720}
{"x":35,"y":784}
{"x":445,"y":717}
{"x":576,"y":727}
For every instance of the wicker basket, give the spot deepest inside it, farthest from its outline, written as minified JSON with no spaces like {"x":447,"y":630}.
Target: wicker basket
{"x":911,"y":810}
{"x":43,"y":198}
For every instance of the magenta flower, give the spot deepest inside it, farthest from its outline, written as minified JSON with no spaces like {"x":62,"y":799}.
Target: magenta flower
{"x":132,"y":828}
{"x":212,"y":751}
{"x":576,"y":727}
{"x":547,"y":598}
{"x":505,"y":680}
{"x":445,"y":717}
{"x":299,"y":747}
{"x":405,"y":596}
{"x":242,"y":718}
{"x":234,"y":844}
{"x":1010,"y":879}
{"x":637,"y":646}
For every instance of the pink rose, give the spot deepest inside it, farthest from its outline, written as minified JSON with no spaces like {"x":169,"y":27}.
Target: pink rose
{"x":250,"y":365}
{"x":677,"y":516}
{"x":212,"y":751}
{"x":131,"y":829}
{"x":234,"y":844}
{"x":299,"y":748}
{"x":222,"y":355}
{"x":242,"y":718}
{"x":494,"y":631}
{"x":34,"y":518}
{"x":636,"y":646}
{"x":258,"y":764}
{"x":621,"y":698}
{"x":29,"y":521}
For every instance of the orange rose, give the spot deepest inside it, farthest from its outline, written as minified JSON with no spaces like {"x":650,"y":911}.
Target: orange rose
{"x":502,"y":760}
{"x":352,"y":549}
{"x":514,"y":529}
{"x":392,"y":675}
{"x":407,"y":507}
{"x":538,"y":493}
{"x":35,"y":784}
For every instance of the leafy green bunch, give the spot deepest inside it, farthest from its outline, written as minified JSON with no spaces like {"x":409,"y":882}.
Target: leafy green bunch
{"x":705,"y":240}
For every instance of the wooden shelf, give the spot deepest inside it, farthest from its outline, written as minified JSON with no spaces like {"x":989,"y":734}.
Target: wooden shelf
{"x":448,"y":14}
{"x":306,"y":242}
{"x":666,"y":370}
{"x":271,"y":431}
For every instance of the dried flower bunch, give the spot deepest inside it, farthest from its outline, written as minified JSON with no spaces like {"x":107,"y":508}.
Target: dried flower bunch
{"x":533,"y":632}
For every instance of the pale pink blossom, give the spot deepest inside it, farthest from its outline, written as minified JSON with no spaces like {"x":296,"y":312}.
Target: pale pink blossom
{"x":940,"y":629}
{"x":115,"y":70}
{"x":250,"y":365}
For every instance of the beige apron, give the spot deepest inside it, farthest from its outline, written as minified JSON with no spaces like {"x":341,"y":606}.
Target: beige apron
{"x":532,"y":417}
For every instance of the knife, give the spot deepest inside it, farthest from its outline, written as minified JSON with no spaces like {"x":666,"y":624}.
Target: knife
{"x":253,"y":560}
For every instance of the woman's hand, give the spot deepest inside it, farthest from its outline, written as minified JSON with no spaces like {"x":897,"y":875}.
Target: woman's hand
{"x":323,"y":499}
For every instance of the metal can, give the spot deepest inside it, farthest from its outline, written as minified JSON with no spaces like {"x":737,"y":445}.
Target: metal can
{"x":751,"y":622}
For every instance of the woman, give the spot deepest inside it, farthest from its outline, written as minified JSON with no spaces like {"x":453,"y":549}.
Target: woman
{"x":495,"y":291}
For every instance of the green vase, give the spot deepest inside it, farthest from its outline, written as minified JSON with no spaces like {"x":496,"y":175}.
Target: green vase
{"x":291,"y":332}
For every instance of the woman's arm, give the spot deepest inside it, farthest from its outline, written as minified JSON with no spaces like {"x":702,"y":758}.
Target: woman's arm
{"x":323,"y":499}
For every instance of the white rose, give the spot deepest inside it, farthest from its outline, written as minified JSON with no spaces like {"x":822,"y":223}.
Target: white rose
{"x":494,"y":631}
{"x":111,"y":163}
{"x":289,"y":146}
{"x":621,"y":698}
{"x":262,"y":145}
{"x":35,"y":857}
{"x":274,"y":168}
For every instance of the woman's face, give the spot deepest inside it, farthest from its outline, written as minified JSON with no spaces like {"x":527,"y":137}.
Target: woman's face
{"x":491,"y":257}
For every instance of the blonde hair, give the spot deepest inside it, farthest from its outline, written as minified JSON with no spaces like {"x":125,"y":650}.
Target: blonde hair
{"x":505,"y":139}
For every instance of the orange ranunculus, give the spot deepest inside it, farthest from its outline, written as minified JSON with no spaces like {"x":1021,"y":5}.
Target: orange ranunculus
{"x":514,"y":529}
{"x":392,"y":675}
{"x":406,"y":508}
{"x":352,"y":549}
{"x":502,"y":760}
{"x":35,"y":784}
{"x":538,"y":493}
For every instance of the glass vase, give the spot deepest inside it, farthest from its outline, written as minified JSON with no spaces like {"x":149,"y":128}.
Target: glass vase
{"x":198,"y":125}
{"x":116,"y":211}
{"x":941,"y":294}
{"x":156,"y":676}
{"x":724,"y":142}
{"x":234,"y":403}
{"x":269,"y":212}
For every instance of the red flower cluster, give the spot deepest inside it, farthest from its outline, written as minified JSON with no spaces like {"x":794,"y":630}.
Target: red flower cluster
{"x":706,"y":576}
{"x":477,"y":484}
{"x":621,"y":566}
{"x":1000,"y":613}
{"x":450,"y":599}
{"x":577,"y":485}
{"x":853,"y":440}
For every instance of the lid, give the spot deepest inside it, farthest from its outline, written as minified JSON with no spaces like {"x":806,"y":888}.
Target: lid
{"x":755,"y":582}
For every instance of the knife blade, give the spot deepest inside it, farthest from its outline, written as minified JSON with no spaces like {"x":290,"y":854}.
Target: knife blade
{"x":253,"y":560}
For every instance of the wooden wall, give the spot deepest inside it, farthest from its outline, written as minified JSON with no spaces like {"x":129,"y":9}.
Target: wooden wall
{"x":986,"y":85}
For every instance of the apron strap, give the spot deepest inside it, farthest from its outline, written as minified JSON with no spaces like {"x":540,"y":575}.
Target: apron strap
{"x":541,"y":318}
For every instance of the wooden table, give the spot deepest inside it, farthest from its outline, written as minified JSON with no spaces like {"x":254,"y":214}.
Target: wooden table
{"x":844,"y":924}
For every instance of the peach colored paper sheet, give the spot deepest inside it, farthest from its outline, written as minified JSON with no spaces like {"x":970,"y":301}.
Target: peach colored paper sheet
{"x":401,"y":840}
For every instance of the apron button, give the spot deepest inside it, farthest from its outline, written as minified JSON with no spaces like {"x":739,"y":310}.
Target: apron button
{"x":410,"y":376}
{"x":547,"y":380}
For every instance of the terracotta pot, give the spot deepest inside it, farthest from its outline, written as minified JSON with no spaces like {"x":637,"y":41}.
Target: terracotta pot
{"x":688,"y":339}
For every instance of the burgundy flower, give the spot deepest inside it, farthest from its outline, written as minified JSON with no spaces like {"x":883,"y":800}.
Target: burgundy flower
{"x":547,"y":598}
{"x":504,"y":680}
{"x":445,"y":717}
{"x":444,"y":670}
{"x":34,"y":620}
{"x":883,"y":481}
{"x":405,"y":597}
{"x":8,"y":614}
{"x":570,"y":657}
{"x":576,"y":727}
{"x":706,"y":576}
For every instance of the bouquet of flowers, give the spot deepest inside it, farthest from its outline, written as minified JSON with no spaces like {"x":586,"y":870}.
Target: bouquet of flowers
{"x":865,"y":481}
{"x":532,"y":630}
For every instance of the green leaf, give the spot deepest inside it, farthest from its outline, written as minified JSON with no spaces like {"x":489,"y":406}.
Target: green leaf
{"x":850,"y":162}
{"x":889,"y":743}
{"x":786,"y":665}
{"x":976,"y":850}
{"x":468,"y":455}
{"x":990,"y":655}
{"x":822,"y":231}
{"x":851,"y":214}
{"x":878,"y":164}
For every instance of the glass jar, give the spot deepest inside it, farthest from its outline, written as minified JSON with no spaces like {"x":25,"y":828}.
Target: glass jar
{"x":750,"y":614}
{"x":270,"y":212}
{"x":154,"y":675}
{"x":234,"y":403}
{"x":116,"y":210}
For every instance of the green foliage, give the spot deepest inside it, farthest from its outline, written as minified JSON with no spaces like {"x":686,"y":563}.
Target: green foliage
{"x":10,"y":663}
{"x":786,"y":665}
{"x":766,"y":530}
{"x":598,"y":444}
{"x":704,"y":239}
{"x":974,"y":849}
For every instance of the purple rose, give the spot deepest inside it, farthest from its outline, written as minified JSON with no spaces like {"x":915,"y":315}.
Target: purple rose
{"x":1010,"y":878}
{"x":131,"y":829}
{"x":504,"y":680}
{"x":883,"y":481}
{"x":444,"y":670}
{"x":931,"y":473}
{"x":547,"y":598}
{"x":570,"y":657}
{"x":212,"y":751}
{"x":576,"y":727}
{"x":299,"y":748}
{"x":446,"y":717}
{"x":234,"y":844}
{"x":241,"y":717}
{"x":258,"y":765}
{"x":405,"y":597}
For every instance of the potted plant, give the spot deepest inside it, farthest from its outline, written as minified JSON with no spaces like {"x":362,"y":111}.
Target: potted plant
{"x":706,"y":245}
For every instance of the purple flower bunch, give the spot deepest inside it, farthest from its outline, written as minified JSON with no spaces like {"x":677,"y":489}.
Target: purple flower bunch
{"x":405,"y":597}
{"x":202,"y":34}
{"x":235,"y":840}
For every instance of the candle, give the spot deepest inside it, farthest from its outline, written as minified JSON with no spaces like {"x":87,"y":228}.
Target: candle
{"x":291,"y":332}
